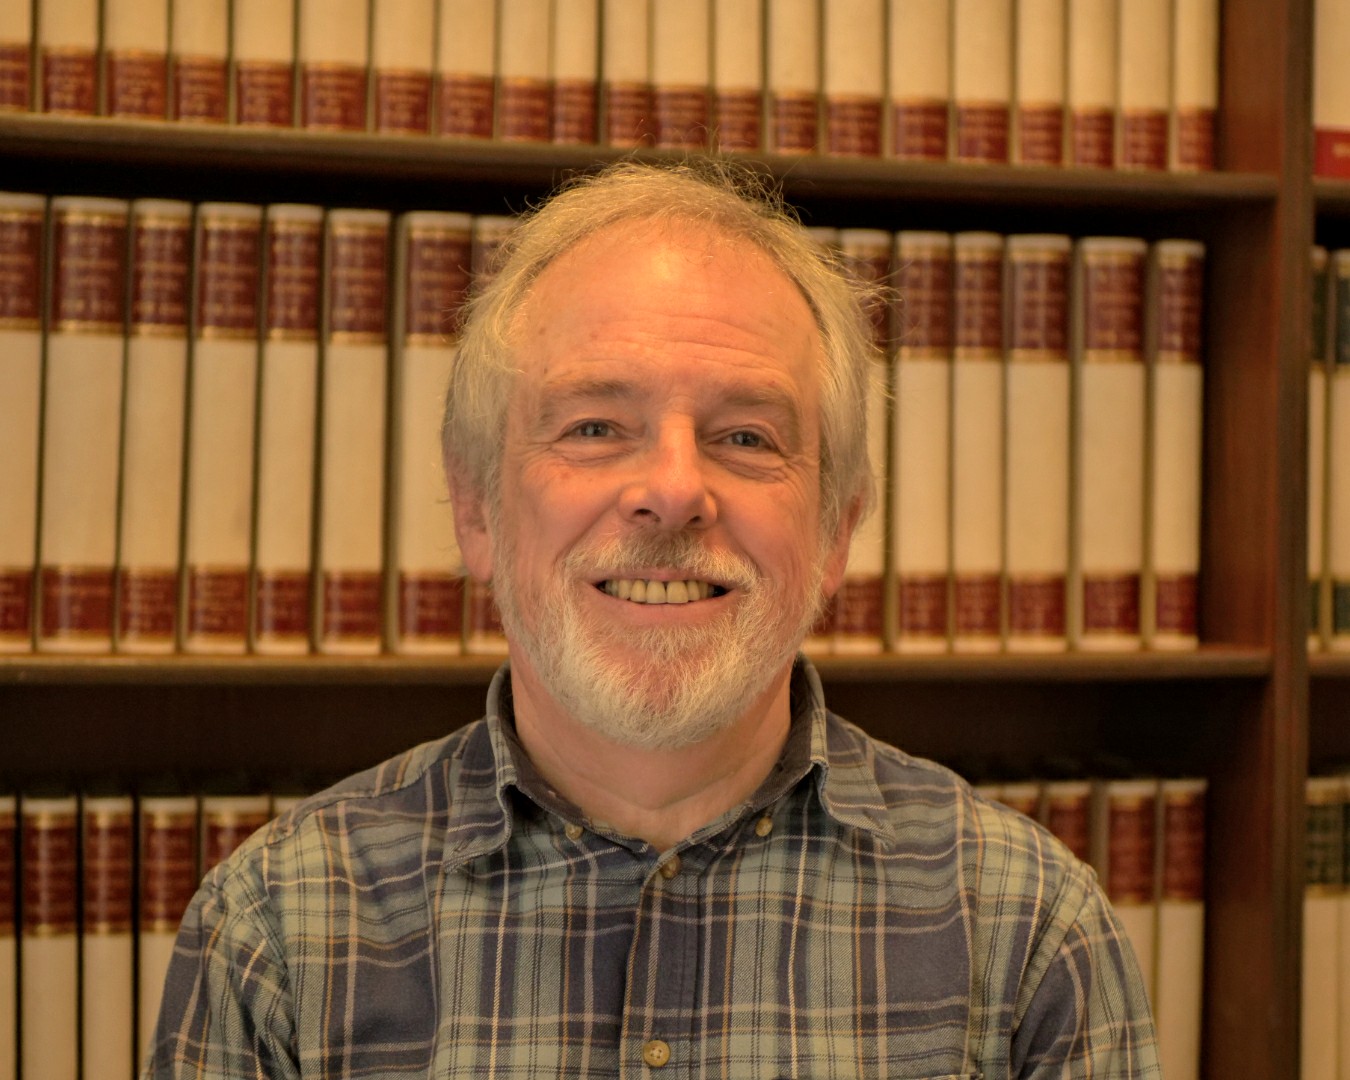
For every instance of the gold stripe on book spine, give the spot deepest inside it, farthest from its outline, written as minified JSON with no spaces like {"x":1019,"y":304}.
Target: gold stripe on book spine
{"x":161,"y":251}
{"x":358,"y":283}
{"x":49,"y":865}
{"x":88,"y":285}
{"x":168,"y":860}
{"x":20,"y":269}
{"x":228,"y":256}
{"x":293,"y":287}
{"x":108,"y":843}
{"x":1130,"y":847}
{"x":1180,"y":298}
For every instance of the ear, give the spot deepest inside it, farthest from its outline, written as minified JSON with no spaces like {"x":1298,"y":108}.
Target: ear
{"x":836,"y":556}
{"x":472,"y":529}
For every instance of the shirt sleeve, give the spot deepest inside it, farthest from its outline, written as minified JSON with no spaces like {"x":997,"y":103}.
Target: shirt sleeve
{"x":226,"y":1009}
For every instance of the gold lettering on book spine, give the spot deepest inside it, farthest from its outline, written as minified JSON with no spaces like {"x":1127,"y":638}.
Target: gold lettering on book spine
{"x":293,"y":285}
{"x":69,"y":81}
{"x":88,"y":284}
{"x":227,"y":277}
{"x":136,"y":84}
{"x":1183,"y":854}
{"x":1180,"y":298}
{"x":1130,"y":846}
{"x":16,"y":77}
{"x":978,"y":304}
{"x":49,"y":868}
{"x":264,"y":93}
{"x":108,"y":871}
{"x":358,"y":283}
{"x":1038,"y":305}
{"x":168,"y":861}
{"x":161,"y":249}
{"x":439,"y":263}
{"x":1113,"y":287}
{"x":20,"y":269}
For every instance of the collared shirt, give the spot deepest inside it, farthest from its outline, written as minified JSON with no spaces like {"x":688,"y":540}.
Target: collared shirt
{"x":864,"y":914}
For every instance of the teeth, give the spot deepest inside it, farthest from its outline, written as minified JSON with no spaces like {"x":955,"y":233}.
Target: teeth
{"x":641,"y":591}
{"x":677,"y":593}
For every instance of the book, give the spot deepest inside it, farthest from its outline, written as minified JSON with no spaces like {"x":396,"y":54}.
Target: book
{"x":981,"y":80}
{"x":1037,"y":442}
{"x":154,"y":429}
{"x":227,"y":820}
{"x":853,"y":79}
{"x":1195,"y":85}
{"x":281,"y":586}
{"x":1323,"y":887}
{"x":1331,"y":89}
{"x":66,"y":49}
{"x":576,"y":71}
{"x":792,"y":76}
{"x":1338,"y":454}
{"x":1144,"y":97}
{"x":738,"y":74}
{"x":49,"y":942}
{"x":402,"y":54}
{"x":625,"y":73}
{"x":1179,"y":965}
{"x":22,"y":220}
{"x":1091,"y":87}
{"x":1175,"y":421}
{"x":167,"y":877}
{"x":524,"y":82}
{"x":218,"y":511}
{"x":135,"y":53}
{"x":434,"y":261}
{"x":977,"y":441}
{"x":1038,"y":83}
{"x":466,"y":57}
{"x":199,"y":88}
{"x":1109,"y":440}
{"x":918,"y":82}
{"x":351,"y":489}
{"x":9,"y":952}
{"x":333,"y":50}
{"x":1124,"y":848}
{"x":920,"y":462}
{"x":81,"y":427}
{"x":1066,"y":811}
{"x":16,"y":60}
{"x":107,"y":951}
{"x":262,"y":60}
{"x":680,"y":74}
{"x":1319,"y":611}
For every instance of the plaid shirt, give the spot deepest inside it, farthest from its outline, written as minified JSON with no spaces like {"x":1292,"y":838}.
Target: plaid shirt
{"x":443,"y":914}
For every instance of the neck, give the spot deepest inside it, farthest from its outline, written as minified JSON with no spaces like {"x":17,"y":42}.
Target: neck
{"x":660,"y":796}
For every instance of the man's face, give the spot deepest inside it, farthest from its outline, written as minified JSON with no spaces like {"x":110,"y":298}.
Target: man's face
{"x":662,"y":441}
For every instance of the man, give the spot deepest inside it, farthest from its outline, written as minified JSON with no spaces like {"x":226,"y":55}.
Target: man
{"x":658,"y":851}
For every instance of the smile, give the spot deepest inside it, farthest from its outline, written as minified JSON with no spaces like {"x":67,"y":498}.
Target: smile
{"x":643,"y":591}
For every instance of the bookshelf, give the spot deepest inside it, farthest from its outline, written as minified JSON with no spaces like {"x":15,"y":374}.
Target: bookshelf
{"x":1248,"y":710}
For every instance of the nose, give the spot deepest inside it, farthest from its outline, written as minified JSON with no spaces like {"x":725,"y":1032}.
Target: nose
{"x":669,"y":488}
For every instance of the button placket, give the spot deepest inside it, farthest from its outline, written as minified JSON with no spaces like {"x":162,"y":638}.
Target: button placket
{"x":656,"y":1053}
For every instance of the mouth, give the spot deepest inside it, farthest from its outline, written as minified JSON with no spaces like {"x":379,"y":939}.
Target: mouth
{"x":653,"y":591}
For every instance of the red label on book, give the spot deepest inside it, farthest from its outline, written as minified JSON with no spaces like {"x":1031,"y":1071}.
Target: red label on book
{"x":1143,"y":139}
{"x":1036,"y":606}
{"x":333,"y":97}
{"x":1038,"y":304}
{"x":200,"y":89}
{"x":430,"y":606}
{"x":168,"y":868}
{"x":925,"y":310}
{"x":524,"y":110}
{"x":1130,"y":846}
{"x":224,"y":830}
{"x":982,"y":133}
{"x":147,"y":605}
{"x":1180,"y":305}
{"x":438,"y":264}
{"x":923,"y":606}
{"x":628,"y":111}
{"x":1111,"y":604}
{"x":794,"y":123}
{"x":860,"y":607}
{"x":464,"y":106}
{"x":1177,"y":602}
{"x":919,"y":130}
{"x":357,"y":282}
{"x":1040,"y":135}
{"x":1113,"y":306}
{"x":161,"y":250}
{"x":1183,"y":854}
{"x":977,"y":606}
{"x":217,"y":602}
{"x":76,"y":602}
{"x":282,"y":606}
{"x":9,"y":870}
{"x":1092,"y":135}
{"x":264,"y":93}
{"x":576,"y":117}
{"x":1195,"y":140}
{"x":50,"y":859}
{"x":351,"y":606}
{"x":136,"y":85}
{"x":69,"y":81}
{"x":228,"y":255}
{"x":89,"y":281}
{"x":681,"y":117}
{"x":1069,"y":818}
{"x":16,"y":603}
{"x":739,"y":120}
{"x":292,"y":311}
{"x":15,"y":77}
{"x":853,"y":126}
{"x":108,"y":872}
{"x":978,"y":300}
{"x":402,"y":102}
{"x":20,"y":269}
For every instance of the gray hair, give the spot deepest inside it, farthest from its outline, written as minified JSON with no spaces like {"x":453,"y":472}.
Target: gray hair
{"x":726,"y":199}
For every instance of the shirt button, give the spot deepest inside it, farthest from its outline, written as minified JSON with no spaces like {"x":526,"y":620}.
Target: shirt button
{"x":656,"y":1053}
{"x":669,"y":869}
{"x":764,"y":826}
{"x":573,"y":831}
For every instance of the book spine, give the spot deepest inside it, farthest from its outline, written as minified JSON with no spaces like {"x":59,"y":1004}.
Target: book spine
{"x":1331,"y":89}
{"x":981,"y":80}
{"x":227,"y":821}
{"x":1176,"y":412}
{"x":403,"y":41}
{"x":854,"y":77}
{"x":199,"y":89}
{"x":107,"y":983}
{"x":221,"y":417}
{"x":136,"y":59}
{"x":434,"y":261}
{"x":1319,"y":610}
{"x":166,"y":880}
{"x":262,"y":59}
{"x":49,"y":945}
{"x":625,"y":67}
{"x":576,"y":71}
{"x":466,"y":50}
{"x":793,"y":39}
{"x":67,"y":57}
{"x":919,"y":71}
{"x":21,"y":262}
{"x":1338,"y":455}
{"x":1023,"y":796}
{"x":1109,"y":443}
{"x":9,"y":952}
{"x":16,"y":59}
{"x":81,"y":424}
{"x":977,"y":441}
{"x":1124,"y":855}
{"x":352,"y":455}
{"x":681,"y":77}
{"x":921,"y":442}
{"x":1180,"y":964}
{"x":1037,"y":453}
{"x":1092,"y":82}
{"x":738,"y":74}
{"x":282,"y":587}
{"x":1144,"y":51}
{"x":1038,"y":83}
{"x":1066,"y":811}
{"x":1324,"y":885}
{"x":333,"y":57}
{"x":524,"y":84}
{"x":152,"y":446}
{"x":1195,"y":85}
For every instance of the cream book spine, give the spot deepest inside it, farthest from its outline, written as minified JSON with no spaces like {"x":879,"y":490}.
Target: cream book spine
{"x":1038,"y":82}
{"x":16,"y":58}
{"x":466,"y":59}
{"x":792,"y":74}
{"x":199,"y":45}
{"x":524,"y":71}
{"x":135,"y":51}
{"x":81,"y":430}
{"x":1331,"y":89}
{"x":167,"y":876}
{"x":402,"y":55}
{"x":981,"y":80}
{"x":22,"y":226}
{"x":1124,"y":852}
{"x":681,"y":74}
{"x":262,"y":62}
{"x":1180,"y":948}
{"x":352,"y":425}
{"x":222,"y":408}
{"x":1092,"y":82}
{"x":9,"y":949}
{"x":66,"y":39}
{"x":626,"y":74}
{"x":1319,"y":610}
{"x":107,"y":950}
{"x":1144,"y":53}
{"x":1338,"y":454}
{"x":1195,"y":85}
{"x":575,"y":53}
{"x":282,"y":585}
{"x":853,"y":78}
{"x":333,"y":53}
{"x":738,"y":74}
{"x":150,"y":518}
{"x":919,"y":78}
{"x":1323,"y":891}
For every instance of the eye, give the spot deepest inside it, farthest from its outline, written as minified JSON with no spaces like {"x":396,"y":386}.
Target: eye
{"x":750,"y":440}
{"x":592,"y":429}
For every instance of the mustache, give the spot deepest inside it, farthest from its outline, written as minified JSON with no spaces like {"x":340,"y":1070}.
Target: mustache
{"x":680,"y":552}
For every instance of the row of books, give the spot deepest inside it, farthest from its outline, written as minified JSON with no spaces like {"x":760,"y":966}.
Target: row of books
{"x":1325,"y":1034}
{"x":1329,"y":452}
{"x":254,"y":464}
{"x":1101,"y":83}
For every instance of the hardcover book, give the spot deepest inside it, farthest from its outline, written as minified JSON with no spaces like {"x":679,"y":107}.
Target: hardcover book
{"x":792,"y":74}
{"x":1092,"y":85}
{"x":681,"y":79}
{"x":854,"y":77}
{"x":466,"y":58}
{"x":738,"y":74}
{"x":524,"y":82}
{"x":262,"y":58}
{"x":919,"y":74}
{"x":107,"y":951}
{"x":576,"y":71}
{"x":66,"y":36}
{"x":199,"y":46}
{"x":402,"y":44}
{"x":1038,"y":90}
{"x":981,"y":80}
{"x":135,"y":54}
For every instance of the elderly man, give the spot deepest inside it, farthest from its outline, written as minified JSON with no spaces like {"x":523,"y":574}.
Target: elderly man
{"x":659,"y":850}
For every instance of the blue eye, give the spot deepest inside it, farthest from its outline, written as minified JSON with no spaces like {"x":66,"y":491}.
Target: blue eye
{"x":748,"y":439}
{"x":592,"y":429}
